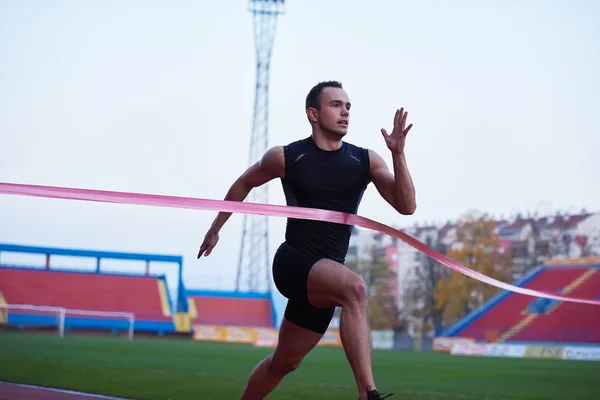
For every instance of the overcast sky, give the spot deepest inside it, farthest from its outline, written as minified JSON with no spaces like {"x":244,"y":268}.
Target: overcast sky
{"x":156,"y":97}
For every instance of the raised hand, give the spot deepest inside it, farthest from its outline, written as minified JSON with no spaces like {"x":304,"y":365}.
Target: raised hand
{"x":396,"y":140}
{"x":210,"y":241}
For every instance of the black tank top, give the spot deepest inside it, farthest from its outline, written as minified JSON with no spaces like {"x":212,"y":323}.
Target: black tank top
{"x":329,"y":180}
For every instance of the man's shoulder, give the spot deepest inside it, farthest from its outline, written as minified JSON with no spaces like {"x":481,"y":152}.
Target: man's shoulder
{"x":353,"y":146}
{"x":356,"y":149}
{"x":296,"y":147}
{"x":296,"y":143}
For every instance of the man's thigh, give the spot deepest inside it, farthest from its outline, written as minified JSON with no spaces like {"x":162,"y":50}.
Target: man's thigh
{"x":330,"y":283}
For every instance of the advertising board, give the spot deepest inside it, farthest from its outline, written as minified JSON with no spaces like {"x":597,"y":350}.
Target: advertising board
{"x":444,"y":344}
{"x":581,"y":353}
{"x":555,"y":352}
{"x":382,"y":339}
{"x":257,"y":336}
{"x":588,"y":353}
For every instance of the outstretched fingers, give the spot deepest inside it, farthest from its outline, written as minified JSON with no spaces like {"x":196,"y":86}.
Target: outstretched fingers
{"x":205,"y":248}
{"x":403,"y":115}
{"x":202,"y":250}
{"x":400,"y":119}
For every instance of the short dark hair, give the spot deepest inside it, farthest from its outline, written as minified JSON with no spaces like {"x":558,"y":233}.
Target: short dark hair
{"x":313,"y":97}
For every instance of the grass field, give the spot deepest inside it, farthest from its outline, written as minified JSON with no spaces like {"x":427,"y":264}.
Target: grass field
{"x":159,"y":368}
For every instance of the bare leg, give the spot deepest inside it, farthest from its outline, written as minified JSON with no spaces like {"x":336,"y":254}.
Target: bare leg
{"x":332,"y":284}
{"x":293,"y":345}
{"x":356,"y":339}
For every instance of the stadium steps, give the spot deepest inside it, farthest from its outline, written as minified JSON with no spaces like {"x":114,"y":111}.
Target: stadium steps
{"x":571,"y":287}
{"x":183,"y":322}
{"x":503,"y":313}
{"x":569,"y":322}
{"x":192,"y":311}
{"x":164,"y":298}
{"x":529,"y":318}
{"x":516,"y":328}
{"x":3,"y":311}
{"x":577,"y":282}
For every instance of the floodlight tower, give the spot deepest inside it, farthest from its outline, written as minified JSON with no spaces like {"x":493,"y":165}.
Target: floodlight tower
{"x":253,"y":263}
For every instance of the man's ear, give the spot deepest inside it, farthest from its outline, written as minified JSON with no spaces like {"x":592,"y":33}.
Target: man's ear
{"x":312,"y":114}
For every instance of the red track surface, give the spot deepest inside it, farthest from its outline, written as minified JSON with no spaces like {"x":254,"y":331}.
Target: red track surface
{"x":15,"y":391}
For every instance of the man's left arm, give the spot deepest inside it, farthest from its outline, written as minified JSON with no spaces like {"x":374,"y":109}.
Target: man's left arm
{"x":398,"y":189}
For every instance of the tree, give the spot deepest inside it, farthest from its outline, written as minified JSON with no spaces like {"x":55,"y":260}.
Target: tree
{"x":477,"y":246}
{"x":421,"y":303}
{"x":383,"y":311}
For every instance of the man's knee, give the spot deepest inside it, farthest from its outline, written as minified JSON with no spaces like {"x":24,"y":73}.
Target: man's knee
{"x":333,"y":284}
{"x":357,"y":292}
{"x":283,"y":366}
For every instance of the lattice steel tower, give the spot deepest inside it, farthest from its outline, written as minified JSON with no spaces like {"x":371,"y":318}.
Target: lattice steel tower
{"x":254,"y":264}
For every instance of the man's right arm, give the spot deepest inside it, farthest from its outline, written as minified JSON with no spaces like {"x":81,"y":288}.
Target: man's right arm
{"x":269,"y":167}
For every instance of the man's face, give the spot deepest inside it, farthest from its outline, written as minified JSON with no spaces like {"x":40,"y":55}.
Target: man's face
{"x":334,"y":113}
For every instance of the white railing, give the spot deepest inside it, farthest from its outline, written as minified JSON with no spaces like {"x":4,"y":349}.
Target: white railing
{"x":62,"y":312}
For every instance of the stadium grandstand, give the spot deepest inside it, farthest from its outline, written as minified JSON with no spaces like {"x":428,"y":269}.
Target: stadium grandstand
{"x":515,"y":318}
{"x":115,"y":301}
{"x":231,"y":308}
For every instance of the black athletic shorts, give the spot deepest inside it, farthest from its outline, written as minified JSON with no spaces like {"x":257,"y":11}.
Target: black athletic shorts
{"x":290,"y":274}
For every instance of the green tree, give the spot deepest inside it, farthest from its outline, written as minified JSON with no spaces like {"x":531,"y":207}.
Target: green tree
{"x":477,"y":246}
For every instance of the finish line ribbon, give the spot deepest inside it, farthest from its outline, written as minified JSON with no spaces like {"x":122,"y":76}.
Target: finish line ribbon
{"x":268,"y":210}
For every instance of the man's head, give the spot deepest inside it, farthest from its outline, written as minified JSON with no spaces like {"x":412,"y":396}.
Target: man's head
{"x":328,"y":108}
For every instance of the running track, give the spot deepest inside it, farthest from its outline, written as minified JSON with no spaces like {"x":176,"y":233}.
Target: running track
{"x":17,"y":391}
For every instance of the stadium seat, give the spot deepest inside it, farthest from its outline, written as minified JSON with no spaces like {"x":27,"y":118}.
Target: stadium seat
{"x":141,"y":295}
{"x":230,"y":309}
{"x":519,"y":318}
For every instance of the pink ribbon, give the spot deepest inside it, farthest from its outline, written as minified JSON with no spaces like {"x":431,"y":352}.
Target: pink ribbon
{"x":270,"y":210}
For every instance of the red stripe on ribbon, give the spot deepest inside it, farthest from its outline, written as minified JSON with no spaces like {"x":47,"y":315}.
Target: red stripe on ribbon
{"x":269,"y":210}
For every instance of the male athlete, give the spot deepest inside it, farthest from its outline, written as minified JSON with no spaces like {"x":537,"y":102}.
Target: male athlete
{"x":322,"y":171}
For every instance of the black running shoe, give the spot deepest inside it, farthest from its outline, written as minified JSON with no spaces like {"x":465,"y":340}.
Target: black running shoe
{"x":374,"y":395}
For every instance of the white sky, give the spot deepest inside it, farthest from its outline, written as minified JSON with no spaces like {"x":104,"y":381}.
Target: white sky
{"x":156,"y":97}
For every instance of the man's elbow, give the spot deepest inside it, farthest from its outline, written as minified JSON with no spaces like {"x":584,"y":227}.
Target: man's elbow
{"x":407,"y":209}
{"x":243,"y":185}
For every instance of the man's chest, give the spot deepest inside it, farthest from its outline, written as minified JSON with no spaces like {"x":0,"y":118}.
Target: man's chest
{"x":340,"y":176}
